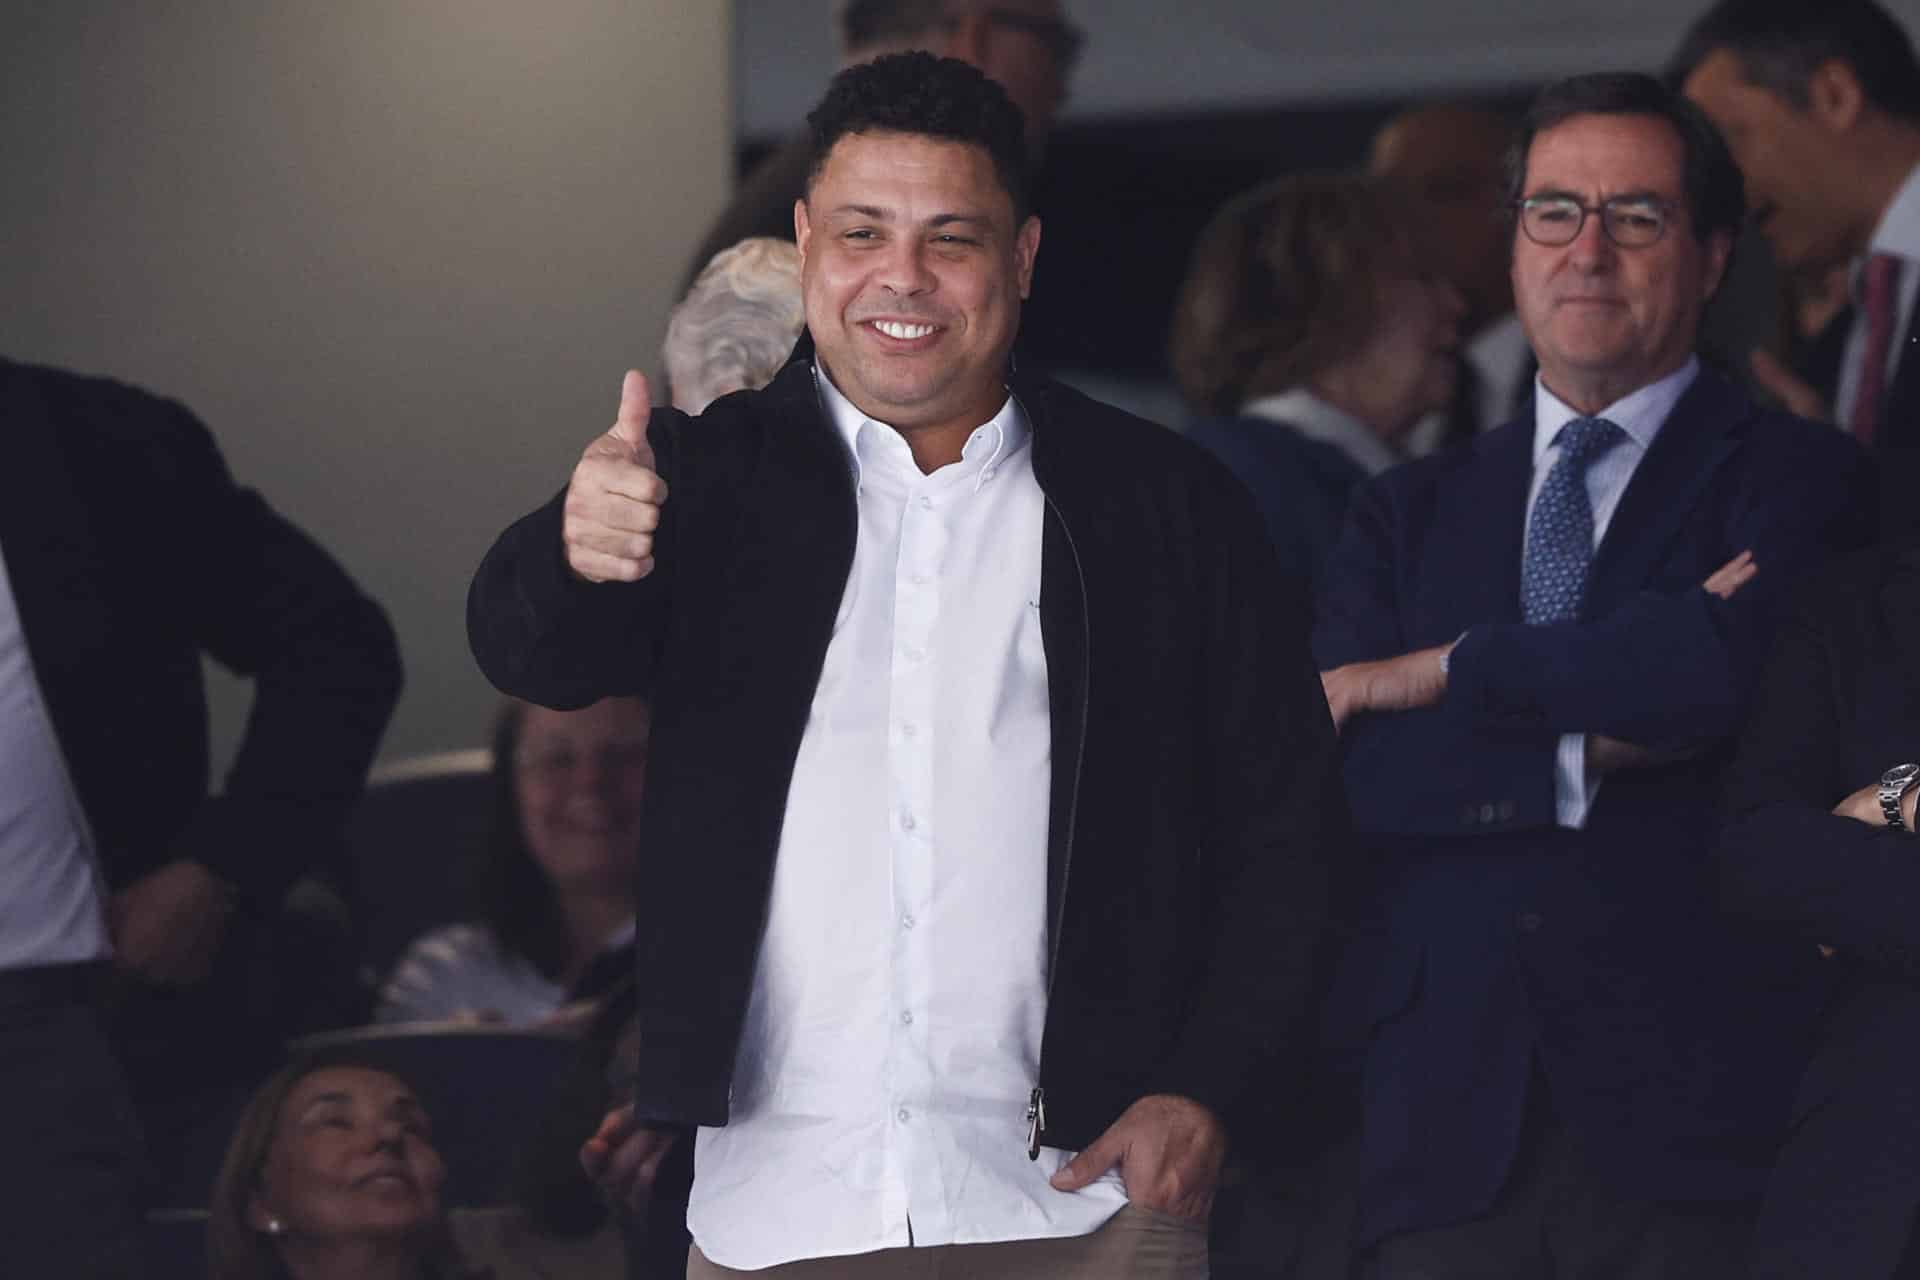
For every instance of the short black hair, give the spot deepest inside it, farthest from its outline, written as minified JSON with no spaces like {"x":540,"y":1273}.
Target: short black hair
{"x":1716,"y":193}
{"x":918,"y":93}
{"x":1781,"y":43}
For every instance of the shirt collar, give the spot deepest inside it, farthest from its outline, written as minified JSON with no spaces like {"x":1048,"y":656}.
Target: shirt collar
{"x":871,"y":442}
{"x":1899,"y":229}
{"x":1640,"y":414}
{"x":1315,"y":419}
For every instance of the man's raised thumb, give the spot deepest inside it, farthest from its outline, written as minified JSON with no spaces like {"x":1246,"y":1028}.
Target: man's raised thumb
{"x":635,"y":408}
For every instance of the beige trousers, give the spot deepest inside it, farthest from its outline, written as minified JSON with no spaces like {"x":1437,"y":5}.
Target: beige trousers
{"x":1134,"y":1244}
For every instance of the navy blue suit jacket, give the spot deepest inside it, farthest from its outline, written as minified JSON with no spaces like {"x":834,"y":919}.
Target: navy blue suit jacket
{"x":1668,"y":1037}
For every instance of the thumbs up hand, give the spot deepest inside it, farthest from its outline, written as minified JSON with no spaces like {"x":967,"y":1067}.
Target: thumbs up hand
{"x":613,"y":500}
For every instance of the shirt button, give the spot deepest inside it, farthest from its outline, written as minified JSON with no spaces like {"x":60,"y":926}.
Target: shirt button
{"x":987,"y":474}
{"x":906,"y":1018}
{"x":1529,"y":921}
{"x":920,"y":579}
{"x":913,"y":655}
{"x":907,"y":922}
{"x":903,"y":1115}
{"x":909,"y":729}
{"x":907,"y":822}
{"x":926,"y":503}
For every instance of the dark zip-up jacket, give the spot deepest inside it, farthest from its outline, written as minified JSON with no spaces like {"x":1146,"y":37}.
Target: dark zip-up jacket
{"x":1195,"y":804}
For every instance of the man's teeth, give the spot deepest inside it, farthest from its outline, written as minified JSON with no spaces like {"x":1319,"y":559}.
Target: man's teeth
{"x":905,"y":332}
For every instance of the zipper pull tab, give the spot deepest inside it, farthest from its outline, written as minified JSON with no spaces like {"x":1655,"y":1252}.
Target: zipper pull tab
{"x":1036,"y":1121}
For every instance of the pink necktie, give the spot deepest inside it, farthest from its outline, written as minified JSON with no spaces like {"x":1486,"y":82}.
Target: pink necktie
{"x":1879,"y":294}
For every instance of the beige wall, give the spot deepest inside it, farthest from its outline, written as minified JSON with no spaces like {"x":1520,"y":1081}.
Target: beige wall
{"x":396,"y":253}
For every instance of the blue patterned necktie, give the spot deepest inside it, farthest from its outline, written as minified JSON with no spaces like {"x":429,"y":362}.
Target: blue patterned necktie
{"x":1553,"y":574}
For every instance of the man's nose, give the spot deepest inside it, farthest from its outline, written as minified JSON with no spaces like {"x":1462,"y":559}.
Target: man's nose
{"x":1593,"y":249}
{"x":389,"y":1133}
{"x":906,"y":271}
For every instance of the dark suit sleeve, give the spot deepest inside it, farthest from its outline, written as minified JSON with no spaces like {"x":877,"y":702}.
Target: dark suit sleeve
{"x":1673,"y":669}
{"x":543,"y":634}
{"x":268,"y":603}
{"x":1278,"y":826}
{"x":1357,"y":617}
{"x":1786,"y":858}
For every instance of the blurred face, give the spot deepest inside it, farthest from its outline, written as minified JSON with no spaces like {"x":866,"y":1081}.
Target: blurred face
{"x":1014,"y":49}
{"x":1788,"y":158}
{"x":1452,"y":162}
{"x":1408,"y":361}
{"x":1603,"y":320}
{"x":913,"y":271}
{"x":580,"y":776}
{"x":352,"y":1160}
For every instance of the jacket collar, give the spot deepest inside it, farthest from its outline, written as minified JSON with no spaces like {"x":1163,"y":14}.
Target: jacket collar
{"x":792,"y":396}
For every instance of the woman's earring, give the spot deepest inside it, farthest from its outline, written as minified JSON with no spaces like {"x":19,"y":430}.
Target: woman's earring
{"x":275,"y":1227}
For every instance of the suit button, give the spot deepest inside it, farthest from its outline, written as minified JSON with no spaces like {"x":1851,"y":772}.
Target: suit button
{"x":1505,"y":811}
{"x":1487,"y":813}
{"x":1529,"y":921}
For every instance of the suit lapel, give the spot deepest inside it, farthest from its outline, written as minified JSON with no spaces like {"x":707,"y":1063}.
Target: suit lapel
{"x":1696,"y":438}
{"x":1472,"y":557}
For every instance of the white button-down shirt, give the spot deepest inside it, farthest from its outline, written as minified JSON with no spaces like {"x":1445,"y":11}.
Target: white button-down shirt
{"x":1640,"y":415}
{"x":892,"y":1036}
{"x":1899,"y":235}
{"x":50,"y":893}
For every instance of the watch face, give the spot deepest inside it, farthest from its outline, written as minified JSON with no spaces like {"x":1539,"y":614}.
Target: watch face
{"x":1900,"y":774}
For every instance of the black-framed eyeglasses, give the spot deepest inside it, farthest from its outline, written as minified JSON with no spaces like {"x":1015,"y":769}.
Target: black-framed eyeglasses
{"x":1632,"y":222}
{"x":1062,"y":38}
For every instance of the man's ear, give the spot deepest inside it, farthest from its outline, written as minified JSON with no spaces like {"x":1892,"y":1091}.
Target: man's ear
{"x":802,"y":232}
{"x":1026,"y":249}
{"x":1834,"y":95}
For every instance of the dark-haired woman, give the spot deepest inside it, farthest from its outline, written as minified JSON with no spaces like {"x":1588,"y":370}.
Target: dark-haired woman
{"x":332,"y":1172}
{"x":559,"y":884}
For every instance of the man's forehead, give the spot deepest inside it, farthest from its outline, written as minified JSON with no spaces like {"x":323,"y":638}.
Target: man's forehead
{"x":1722,"y":76}
{"x":1608,"y":153}
{"x":877,"y":168}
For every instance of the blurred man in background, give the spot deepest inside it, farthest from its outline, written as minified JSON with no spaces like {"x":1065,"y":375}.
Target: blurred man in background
{"x":1452,"y":159}
{"x":1820,"y":105}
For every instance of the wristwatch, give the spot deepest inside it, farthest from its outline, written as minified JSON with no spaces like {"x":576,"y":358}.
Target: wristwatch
{"x":1894,"y":783}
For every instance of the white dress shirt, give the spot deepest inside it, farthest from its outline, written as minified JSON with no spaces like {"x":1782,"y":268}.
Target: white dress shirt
{"x":892,"y":1035}
{"x":1640,"y":416}
{"x":1897,"y":234}
{"x":1315,"y":419}
{"x":50,"y":891}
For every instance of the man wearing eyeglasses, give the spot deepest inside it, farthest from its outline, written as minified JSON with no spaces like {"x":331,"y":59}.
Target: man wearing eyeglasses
{"x":1537,"y":647}
{"x":1028,"y":47}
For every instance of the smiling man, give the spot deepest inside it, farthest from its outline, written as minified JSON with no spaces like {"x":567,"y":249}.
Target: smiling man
{"x":1538,"y":646}
{"x":987,"y":840}
{"x":1820,"y":104}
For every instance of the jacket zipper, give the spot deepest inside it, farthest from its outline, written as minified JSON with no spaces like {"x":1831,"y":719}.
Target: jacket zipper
{"x":1037,"y":1100}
